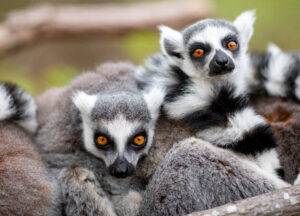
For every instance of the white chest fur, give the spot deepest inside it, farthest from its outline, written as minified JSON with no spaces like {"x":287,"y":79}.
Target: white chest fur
{"x":197,"y":98}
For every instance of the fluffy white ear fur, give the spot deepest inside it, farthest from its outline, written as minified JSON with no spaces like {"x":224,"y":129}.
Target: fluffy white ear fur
{"x":84,"y":102}
{"x":171,"y":43}
{"x":154,"y":99}
{"x":274,"y":49}
{"x":244,"y":23}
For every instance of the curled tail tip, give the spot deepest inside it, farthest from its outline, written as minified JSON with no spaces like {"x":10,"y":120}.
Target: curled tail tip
{"x":17,"y":106}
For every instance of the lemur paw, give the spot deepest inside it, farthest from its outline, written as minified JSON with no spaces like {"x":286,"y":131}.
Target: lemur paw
{"x":82,"y":194}
{"x":80,"y":175}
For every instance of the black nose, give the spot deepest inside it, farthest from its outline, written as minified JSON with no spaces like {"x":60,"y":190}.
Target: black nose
{"x":121,"y":168}
{"x":220,"y":64}
{"x":221,"y":59}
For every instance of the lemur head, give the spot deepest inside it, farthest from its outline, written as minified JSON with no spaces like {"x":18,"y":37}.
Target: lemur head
{"x":209,"y":47}
{"x":118,"y":126}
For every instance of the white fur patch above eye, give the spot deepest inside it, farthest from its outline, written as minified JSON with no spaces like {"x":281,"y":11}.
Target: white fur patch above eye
{"x":84,"y":102}
{"x":121,"y":129}
{"x":211,"y":35}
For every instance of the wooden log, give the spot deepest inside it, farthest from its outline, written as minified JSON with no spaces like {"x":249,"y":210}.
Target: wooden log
{"x":280,"y":202}
{"x":27,"y":27}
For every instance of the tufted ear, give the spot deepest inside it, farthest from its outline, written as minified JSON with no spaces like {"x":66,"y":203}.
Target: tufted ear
{"x":274,"y":49}
{"x":244,"y":23}
{"x":84,"y":102}
{"x":154,"y":99}
{"x":171,"y":43}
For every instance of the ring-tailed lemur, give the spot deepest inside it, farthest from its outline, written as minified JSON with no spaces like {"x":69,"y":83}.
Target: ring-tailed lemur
{"x":24,"y":185}
{"x":204,"y":70}
{"x":92,"y":134}
{"x":275,"y":73}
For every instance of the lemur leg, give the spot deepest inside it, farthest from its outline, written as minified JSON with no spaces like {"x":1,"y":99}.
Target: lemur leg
{"x":82,"y":194}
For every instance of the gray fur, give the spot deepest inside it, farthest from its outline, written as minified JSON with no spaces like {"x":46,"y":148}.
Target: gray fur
{"x":197,"y":27}
{"x":86,"y":185}
{"x":195,"y":176}
{"x":25,"y":188}
{"x":82,"y":193}
{"x":130,"y":104}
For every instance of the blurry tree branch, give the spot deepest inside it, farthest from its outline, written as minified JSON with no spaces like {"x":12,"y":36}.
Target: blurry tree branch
{"x":27,"y":27}
{"x":280,"y":202}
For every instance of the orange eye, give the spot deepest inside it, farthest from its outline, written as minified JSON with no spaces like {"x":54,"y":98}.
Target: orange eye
{"x":232,"y":45}
{"x":198,"y":52}
{"x":102,"y":140}
{"x":139,"y":140}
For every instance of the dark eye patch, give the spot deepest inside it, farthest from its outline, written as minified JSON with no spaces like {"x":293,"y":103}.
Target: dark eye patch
{"x":139,"y":132}
{"x":110,"y":144}
{"x":228,"y":39}
{"x":198,"y":45}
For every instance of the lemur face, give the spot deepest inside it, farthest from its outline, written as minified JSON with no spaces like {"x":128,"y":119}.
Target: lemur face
{"x":212,"y":50}
{"x":118,"y":127}
{"x":211,"y":47}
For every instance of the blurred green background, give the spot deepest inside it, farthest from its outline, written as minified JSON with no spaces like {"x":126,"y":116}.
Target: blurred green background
{"x":55,"y":63}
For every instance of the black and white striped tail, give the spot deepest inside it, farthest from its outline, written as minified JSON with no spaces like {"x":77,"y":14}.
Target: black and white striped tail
{"x":276,"y":73}
{"x":231,"y":123}
{"x":17,"y":106}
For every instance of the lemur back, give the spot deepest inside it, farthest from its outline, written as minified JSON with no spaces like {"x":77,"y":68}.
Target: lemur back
{"x":204,"y":70}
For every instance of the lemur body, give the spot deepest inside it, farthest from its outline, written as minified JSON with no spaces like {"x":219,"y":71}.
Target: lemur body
{"x":24,"y":186}
{"x":205,"y":70}
{"x":91,"y":135}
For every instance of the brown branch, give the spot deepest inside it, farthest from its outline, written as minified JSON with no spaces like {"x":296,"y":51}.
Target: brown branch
{"x":281,"y":202}
{"x":28,"y":27}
